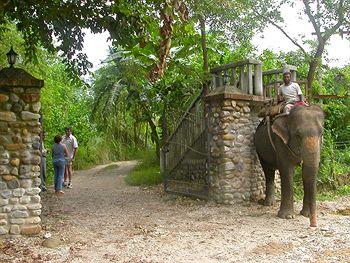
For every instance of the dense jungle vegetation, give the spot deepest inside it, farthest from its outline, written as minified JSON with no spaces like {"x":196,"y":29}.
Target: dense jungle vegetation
{"x":159,"y":60}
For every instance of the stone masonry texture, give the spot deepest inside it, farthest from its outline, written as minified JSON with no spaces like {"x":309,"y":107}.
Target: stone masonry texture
{"x":20,"y":203}
{"x":235,"y":171}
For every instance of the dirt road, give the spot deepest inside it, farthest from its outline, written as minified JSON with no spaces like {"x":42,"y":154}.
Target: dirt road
{"x":103,"y":220}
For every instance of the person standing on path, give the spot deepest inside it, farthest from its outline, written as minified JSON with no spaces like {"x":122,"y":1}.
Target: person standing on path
{"x":72,"y":145}
{"x":59,"y":152}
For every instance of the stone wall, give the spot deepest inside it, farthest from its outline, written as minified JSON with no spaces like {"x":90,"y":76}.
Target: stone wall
{"x":20,"y":202}
{"x":235,"y":171}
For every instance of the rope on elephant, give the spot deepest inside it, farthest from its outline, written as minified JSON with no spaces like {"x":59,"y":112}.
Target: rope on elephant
{"x":269,"y":132}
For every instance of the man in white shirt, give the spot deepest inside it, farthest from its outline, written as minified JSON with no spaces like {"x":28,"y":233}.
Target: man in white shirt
{"x":72,"y":145}
{"x":289,"y":92}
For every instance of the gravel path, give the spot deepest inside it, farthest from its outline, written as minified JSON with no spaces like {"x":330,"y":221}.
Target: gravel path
{"x":103,"y":220}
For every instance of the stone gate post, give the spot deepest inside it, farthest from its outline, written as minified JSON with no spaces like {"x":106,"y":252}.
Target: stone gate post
{"x":235,"y":171}
{"x":20,"y":203}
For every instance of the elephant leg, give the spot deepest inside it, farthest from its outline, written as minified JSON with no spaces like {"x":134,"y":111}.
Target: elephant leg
{"x":309,"y":200}
{"x":287,"y":194}
{"x":270,"y":186}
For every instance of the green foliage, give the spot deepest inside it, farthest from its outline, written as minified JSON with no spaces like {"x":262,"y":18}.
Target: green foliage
{"x":344,"y":190}
{"x":335,"y":158}
{"x":58,"y":25}
{"x":123,"y":94}
{"x":336,"y":81}
{"x":332,"y":194}
{"x":235,"y":19}
{"x":335,"y":164}
{"x":146,"y":172}
{"x":64,"y":100}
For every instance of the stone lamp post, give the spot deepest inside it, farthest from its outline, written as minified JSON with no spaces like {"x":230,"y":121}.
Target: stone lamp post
{"x":20,"y":203}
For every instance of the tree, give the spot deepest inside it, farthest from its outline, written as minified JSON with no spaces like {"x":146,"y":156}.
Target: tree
{"x":58,"y":25}
{"x":327,"y":18}
{"x":122,"y":88}
{"x":233,"y":20}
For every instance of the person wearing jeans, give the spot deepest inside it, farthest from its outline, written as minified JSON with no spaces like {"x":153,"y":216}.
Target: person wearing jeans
{"x":72,"y":145}
{"x":59,"y":153}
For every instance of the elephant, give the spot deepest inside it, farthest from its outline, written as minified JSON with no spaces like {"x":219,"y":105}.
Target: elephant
{"x":291,"y":140}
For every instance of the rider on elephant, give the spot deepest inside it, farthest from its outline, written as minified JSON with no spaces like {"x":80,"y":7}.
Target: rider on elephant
{"x":289,"y":93}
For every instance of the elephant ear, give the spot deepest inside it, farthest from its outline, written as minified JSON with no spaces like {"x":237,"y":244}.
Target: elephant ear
{"x":280,"y":128}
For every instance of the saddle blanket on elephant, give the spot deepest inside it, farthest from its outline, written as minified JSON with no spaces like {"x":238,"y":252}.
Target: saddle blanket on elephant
{"x":271,"y":110}
{"x":280,"y":108}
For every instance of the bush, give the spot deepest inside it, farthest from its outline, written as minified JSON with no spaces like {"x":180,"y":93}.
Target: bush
{"x":147,"y":172}
{"x":96,"y":151}
{"x":334,"y":166}
{"x":344,"y":190}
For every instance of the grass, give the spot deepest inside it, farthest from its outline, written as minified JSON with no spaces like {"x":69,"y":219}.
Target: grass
{"x":146,"y":173}
{"x":344,"y":190}
{"x":323,"y":194}
{"x":111,"y":166}
{"x":332,"y":194}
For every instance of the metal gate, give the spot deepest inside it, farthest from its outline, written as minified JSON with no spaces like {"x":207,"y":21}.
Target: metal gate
{"x":185,"y":157}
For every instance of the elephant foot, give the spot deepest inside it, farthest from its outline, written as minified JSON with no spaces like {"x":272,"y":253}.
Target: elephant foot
{"x":285,"y":214}
{"x":267,"y":202}
{"x":313,"y":221}
{"x":305,"y":212}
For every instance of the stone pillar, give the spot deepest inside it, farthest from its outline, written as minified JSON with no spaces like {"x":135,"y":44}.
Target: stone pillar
{"x":20,"y":203}
{"x":235,"y":171}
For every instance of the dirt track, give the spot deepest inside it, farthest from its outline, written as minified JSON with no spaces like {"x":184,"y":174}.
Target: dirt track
{"x":103,"y":220}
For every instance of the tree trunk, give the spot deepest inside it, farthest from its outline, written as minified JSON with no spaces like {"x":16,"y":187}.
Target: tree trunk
{"x":315,"y":61}
{"x":311,"y":73}
{"x":204,"y":45}
{"x":165,"y":132}
{"x":146,"y":136}
{"x":135,"y":135}
{"x":154,"y":133}
{"x":154,"y":136}
{"x":205,"y":55}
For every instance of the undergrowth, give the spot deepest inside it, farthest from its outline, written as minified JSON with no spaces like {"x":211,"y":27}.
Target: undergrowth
{"x":146,"y":173}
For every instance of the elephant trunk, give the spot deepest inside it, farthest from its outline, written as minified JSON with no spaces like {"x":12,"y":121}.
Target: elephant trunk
{"x":310,"y":153}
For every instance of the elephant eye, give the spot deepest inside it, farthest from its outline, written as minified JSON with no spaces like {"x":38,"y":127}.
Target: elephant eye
{"x":298,"y":133}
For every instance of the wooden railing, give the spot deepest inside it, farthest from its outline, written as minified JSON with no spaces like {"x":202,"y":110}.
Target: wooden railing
{"x":245,"y":76}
